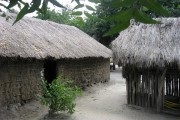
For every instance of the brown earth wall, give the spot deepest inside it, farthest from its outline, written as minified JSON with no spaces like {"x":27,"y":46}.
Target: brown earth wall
{"x":85,"y":72}
{"x":19,"y":81}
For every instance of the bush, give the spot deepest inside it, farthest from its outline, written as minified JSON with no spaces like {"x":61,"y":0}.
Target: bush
{"x":59,"y":96}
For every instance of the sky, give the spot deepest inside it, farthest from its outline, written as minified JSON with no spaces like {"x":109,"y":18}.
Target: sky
{"x":66,"y":3}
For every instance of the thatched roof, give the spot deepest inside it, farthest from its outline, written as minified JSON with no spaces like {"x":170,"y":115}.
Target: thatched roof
{"x":34,"y":38}
{"x":149,"y":45}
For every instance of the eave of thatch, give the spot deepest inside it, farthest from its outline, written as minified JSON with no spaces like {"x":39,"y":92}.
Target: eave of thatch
{"x":149,"y":45}
{"x":34,"y":38}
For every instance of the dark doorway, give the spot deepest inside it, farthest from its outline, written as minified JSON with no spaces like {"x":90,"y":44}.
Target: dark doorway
{"x":172,"y":91}
{"x":50,"y":70}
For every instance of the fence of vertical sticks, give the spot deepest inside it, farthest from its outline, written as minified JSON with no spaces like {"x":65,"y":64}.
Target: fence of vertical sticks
{"x":153,"y":88}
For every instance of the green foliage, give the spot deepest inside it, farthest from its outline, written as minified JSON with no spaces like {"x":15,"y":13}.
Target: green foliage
{"x":95,"y":1}
{"x":78,"y":22}
{"x":170,"y":5}
{"x":115,"y":29}
{"x":78,"y":6}
{"x":58,"y":17}
{"x":90,"y":8}
{"x":140,"y":10}
{"x":85,"y":8}
{"x":64,"y":17}
{"x":154,"y":6}
{"x":35,"y":5}
{"x":132,"y":9}
{"x":144,"y":18}
{"x":54,"y":2}
{"x":59,"y":95}
{"x":112,"y":16}
{"x":120,"y":3}
{"x":12,"y":3}
{"x":98,"y":23}
{"x":22,"y":13}
{"x":77,"y":13}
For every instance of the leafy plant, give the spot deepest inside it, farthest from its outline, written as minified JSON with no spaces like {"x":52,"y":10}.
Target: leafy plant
{"x":59,"y":95}
{"x":98,"y":25}
{"x":63,"y":17}
{"x":140,"y":10}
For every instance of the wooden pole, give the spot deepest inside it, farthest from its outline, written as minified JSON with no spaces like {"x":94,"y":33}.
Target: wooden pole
{"x":160,"y":92}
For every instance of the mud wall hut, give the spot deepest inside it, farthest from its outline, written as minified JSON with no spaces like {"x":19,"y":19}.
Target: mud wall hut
{"x":150,"y":55}
{"x":33,"y":45}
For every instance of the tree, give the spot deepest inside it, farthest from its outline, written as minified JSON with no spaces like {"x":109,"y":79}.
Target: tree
{"x":58,"y":17}
{"x":98,"y":25}
{"x":35,"y":5}
{"x":63,"y":17}
{"x":173,"y":6}
{"x":130,"y":9}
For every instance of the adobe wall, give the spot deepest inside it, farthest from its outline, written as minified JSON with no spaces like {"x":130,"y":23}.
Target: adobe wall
{"x":19,"y":81}
{"x":85,"y":71}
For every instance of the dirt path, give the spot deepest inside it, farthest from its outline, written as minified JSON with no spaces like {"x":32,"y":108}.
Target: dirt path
{"x":102,"y":102}
{"x":108,"y":102}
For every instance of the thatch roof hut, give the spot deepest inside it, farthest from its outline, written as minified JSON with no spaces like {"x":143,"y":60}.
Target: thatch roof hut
{"x":150,"y":55}
{"x":34,"y":38}
{"x":32,"y":45}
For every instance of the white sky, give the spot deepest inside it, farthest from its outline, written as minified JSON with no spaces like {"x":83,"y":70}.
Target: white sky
{"x":66,"y":3}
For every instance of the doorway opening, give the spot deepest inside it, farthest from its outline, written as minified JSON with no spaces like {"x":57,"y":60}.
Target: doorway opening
{"x":172,"y":91}
{"x":50,"y":70}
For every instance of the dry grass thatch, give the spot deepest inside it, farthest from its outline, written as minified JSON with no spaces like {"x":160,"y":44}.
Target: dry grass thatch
{"x":34,"y":38}
{"x":149,"y":45}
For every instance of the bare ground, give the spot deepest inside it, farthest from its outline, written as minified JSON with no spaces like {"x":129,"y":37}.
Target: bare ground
{"x":99,"y":102}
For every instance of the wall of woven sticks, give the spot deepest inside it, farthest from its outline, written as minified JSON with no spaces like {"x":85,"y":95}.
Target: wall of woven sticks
{"x":148,"y":88}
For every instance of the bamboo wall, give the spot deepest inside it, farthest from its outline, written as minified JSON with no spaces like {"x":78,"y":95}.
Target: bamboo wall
{"x":149,"y":87}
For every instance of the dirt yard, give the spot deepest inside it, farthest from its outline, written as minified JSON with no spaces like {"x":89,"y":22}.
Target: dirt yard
{"x":99,"y":102}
